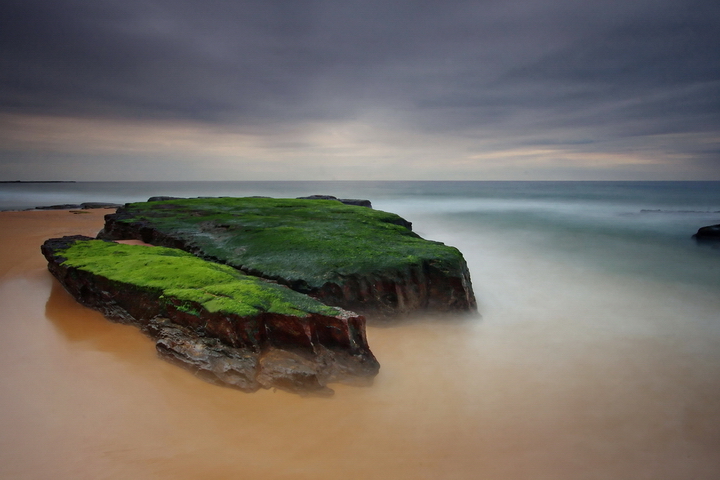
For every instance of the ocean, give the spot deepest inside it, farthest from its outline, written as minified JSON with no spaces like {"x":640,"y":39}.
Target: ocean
{"x":633,"y":227}
{"x":595,"y":351}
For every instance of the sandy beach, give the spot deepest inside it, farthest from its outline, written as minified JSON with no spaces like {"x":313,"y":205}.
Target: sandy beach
{"x":84,"y":398}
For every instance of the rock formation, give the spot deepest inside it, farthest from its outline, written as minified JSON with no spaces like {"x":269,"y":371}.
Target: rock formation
{"x":347,"y":201}
{"x":84,"y":206}
{"x":354,"y":257}
{"x":710,"y":233}
{"x":228,"y":327}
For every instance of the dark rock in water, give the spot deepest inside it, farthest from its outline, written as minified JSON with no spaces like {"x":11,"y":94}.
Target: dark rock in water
{"x":76,"y":206}
{"x":708,"y":234}
{"x":347,"y":201}
{"x":93,"y":205}
{"x":318,"y":197}
{"x":161,"y":198}
{"x":360,"y":259}
{"x":64,"y":206}
{"x":356,"y":201}
{"x":228,"y":328}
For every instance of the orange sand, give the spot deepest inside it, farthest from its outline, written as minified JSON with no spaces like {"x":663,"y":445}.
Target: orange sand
{"x":499,"y":398}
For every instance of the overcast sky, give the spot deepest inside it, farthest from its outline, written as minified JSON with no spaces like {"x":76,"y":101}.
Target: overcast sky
{"x":359,"y":89}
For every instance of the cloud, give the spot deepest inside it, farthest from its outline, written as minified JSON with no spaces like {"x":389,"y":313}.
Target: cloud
{"x":470,"y":75}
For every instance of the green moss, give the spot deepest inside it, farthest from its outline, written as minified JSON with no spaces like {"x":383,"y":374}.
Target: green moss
{"x":314,"y":241}
{"x":174,"y":274}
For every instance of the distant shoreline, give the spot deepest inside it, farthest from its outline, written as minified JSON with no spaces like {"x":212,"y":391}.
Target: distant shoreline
{"x":37,"y":181}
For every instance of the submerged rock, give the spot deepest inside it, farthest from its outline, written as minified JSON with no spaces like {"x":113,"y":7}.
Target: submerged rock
{"x":354,"y":257}
{"x":227,"y":327}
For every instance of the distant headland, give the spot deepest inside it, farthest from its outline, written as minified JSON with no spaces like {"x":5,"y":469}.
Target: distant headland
{"x":37,"y":181}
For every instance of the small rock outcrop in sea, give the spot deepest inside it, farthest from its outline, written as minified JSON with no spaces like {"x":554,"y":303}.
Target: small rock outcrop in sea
{"x":350,"y":256}
{"x":347,"y":201}
{"x":228,"y":327}
{"x":710,"y":234}
{"x":84,"y":206}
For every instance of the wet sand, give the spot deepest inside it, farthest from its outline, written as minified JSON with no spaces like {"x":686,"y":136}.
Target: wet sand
{"x":606,"y":377}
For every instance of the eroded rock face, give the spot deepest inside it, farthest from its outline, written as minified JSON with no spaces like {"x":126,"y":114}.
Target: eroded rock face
{"x":416,"y":276}
{"x":264,"y":350}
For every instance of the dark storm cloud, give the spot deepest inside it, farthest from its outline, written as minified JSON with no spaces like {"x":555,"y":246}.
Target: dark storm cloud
{"x":623,"y":68}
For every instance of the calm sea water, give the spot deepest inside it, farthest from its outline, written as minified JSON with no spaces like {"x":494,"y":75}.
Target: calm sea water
{"x":595,"y":354}
{"x":635,"y":227}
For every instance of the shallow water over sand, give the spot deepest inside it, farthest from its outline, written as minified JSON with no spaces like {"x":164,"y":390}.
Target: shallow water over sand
{"x":572,"y":372}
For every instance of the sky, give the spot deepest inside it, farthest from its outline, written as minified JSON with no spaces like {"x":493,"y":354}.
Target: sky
{"x":359,"y":90}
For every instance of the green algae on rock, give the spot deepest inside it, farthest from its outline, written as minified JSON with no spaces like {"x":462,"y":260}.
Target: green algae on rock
{"x":354,"y":257}
{"x":228,"y":327}
{"x":183,"y":277}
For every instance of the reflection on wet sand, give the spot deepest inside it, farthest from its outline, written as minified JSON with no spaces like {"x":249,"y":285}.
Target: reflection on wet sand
{"x":76,"y":322}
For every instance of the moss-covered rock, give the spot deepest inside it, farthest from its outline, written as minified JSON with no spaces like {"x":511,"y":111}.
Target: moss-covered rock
{"x":229,"y":327}
{"x":351,"y":256}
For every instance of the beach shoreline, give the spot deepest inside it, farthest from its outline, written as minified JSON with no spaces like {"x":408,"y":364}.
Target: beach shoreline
{"x":571,"y":373}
